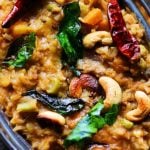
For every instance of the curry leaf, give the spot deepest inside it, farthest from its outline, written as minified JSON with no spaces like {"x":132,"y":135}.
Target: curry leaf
{"x":87,"y":126}
{"x":70,"y":22}
{"x":64,"y":106}
{"x":111,"y":115}
{"x":69,"y":50}
{"x":23,"y":48}
{"x":91,"y":123}
{"x":69,"y":35}
{"x":72,"y":9}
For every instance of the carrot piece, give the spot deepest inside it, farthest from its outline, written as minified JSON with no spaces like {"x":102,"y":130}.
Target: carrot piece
{"x":93,"y":17}
{"x":103,"y":24}
{"x":20,"y":28}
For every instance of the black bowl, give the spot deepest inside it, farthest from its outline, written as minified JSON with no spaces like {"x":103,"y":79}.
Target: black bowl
{"x":10,"y":139}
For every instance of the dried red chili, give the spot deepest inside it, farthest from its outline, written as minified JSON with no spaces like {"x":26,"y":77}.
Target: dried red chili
{"x":18,"y":8}
{"x":124,"y":41}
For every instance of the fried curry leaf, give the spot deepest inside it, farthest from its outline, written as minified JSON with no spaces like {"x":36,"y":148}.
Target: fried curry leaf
{"x":20,"y":51}
{"x":69,"y":50}
{"x":87,"y":126}
{"x":111,"y":115}
{"x":91,"y":123}
{"x":64,"y":106}
{"x":69,"y":35}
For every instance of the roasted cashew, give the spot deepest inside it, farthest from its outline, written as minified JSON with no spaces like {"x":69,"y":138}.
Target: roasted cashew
{"x":143,"y":108}
{"x":99,"y":147}
{"x":112,"y":89}
{"x":85,"y":81}
{"x":91,"y":39}
{"x":53,"y":116}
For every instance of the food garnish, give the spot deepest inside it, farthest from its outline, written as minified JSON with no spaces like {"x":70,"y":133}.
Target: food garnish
{"x":27,"y":104}
{"x":125,"y":42}
{"x":87,"y":126}
{"x":84,"y":81}
{"x":91,"y":123}
{"x":126,"y":123}
{"x":111,"y":115}
{"x":90,"y":40}
{"x":52,"y":116}
{"x":112,"y":89}
{"x":98,"y":146}
{"x":69,"y":35}
{"x":143,"y":107}
{"x":20,"y":51}
{"x":63,"y":106}
{"x":18,"y":8}
{"x":93,"y":17}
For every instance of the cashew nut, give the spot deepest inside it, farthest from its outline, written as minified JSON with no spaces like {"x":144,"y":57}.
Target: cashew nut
{"x":85,"y":81}
{"x":143,"y":108}
{"x":112,"y":89}
{"x":99,"y":147}
{"x":91,"y":39}
{"x":53,"y":116}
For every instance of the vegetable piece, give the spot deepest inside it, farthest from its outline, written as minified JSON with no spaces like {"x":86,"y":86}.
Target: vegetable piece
{"x":22,"y":48}
{"x":69,"y":35}
{"x":27,"y":104}
{"x":53,"y":116}
{"x":103,"y":25}
{"x":63,"y":106}
{"x":54,"y":85}
{"x":87,"y":126}
{"x":18,"y":8}
{"x":126,"y":123}
{"x":125,"y":42}
{"x":85,"y":81}
{"x":91,"y":123}
{"x":20,"y":28}
{"x":93,"y":17}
